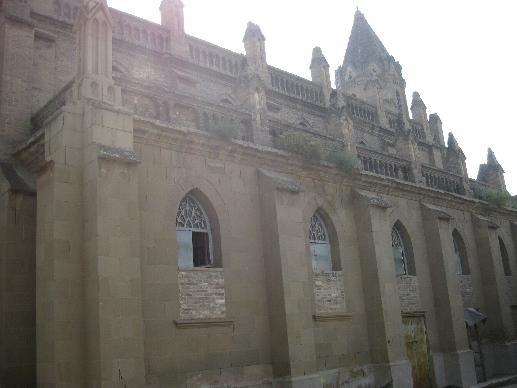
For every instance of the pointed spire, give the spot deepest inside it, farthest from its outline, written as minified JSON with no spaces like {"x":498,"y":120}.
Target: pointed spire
{"x":173,"y":18}
{"x":435,"y":124}
{"x":318,"y":59}
{"x":364,"y":46}
{"x":492,"y":173}
{"x":253,"y":31}
{"x":255,"y":47}
{"x":417,"y":101}
{"x":320,"y":73}
{"x":491,"y":159}
{"x":452,"y":143}
{"x":455,"y":160}
{"x":94,"y":30}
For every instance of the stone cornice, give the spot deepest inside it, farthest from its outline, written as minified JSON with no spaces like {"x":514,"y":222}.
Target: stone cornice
{"x":18,"y":19}
{"x":437,"y":212}
{"x":118,"y":154}
{"x":201,"y":143}
{"x":282,"y":183}
{"x":372,"y":200}
{"x":490,"y":224}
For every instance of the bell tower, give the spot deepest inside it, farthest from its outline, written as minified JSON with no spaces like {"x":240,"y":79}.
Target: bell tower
{"x":370,"y":73}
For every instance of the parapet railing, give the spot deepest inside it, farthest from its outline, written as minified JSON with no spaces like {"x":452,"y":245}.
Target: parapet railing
{"x":64,"y":96}
{"x":361,"y":110}
{"x":381,"y":164}
{"x":214,"y":57}
{"x":296,"y":87}
{"x":140,"y":32}
{"x":443,"y":180}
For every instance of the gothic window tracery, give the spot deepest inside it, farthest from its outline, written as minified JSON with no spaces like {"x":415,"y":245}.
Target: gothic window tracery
{"x":193,"y":234}
{"x":402,"y":251}
{"x":399,"y":252}
{"x":460,"y":254}
{"x":319,"y":245}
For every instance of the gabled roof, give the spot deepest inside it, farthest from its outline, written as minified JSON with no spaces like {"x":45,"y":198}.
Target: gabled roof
{"x":364,"y":46}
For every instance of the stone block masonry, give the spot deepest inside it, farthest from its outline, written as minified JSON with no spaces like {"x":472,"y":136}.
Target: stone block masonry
{"x":202,"y":294}
{"x":408,"y":293}
{"x":329,"y":292}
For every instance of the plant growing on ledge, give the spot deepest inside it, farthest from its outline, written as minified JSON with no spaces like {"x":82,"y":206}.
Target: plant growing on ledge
{"x":492,"y":196}
{"x":312,"y":148}
{"x":343,"y":159}
{"x":302,"y":144}
{"x":224,"y":129}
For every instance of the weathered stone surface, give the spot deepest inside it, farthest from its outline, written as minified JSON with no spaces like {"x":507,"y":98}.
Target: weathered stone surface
{"x":118,"y":119}
{"x":202,"y":294}
{"x":329,"y":292}
{"x":408,"y":293}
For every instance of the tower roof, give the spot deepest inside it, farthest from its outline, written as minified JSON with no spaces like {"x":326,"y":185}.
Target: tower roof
{"x":364,"y":46}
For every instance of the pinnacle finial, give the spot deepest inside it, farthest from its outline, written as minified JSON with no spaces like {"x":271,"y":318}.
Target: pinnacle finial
{"x":417,"y":100}
{"x":318,"y":58}
{"x":452,"y":143}
{"x":253,"y":31}
{"x":491,"y":159}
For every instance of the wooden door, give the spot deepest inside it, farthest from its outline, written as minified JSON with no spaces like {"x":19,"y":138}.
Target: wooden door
{"x":417,"y":350}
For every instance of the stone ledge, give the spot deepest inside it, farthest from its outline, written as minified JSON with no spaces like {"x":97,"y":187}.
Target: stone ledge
{"x":331,"y":317}
{"x":119,"y":154}
{"x":202,"y":323}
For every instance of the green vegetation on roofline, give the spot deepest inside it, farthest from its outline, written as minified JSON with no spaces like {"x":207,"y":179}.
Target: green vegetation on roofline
{"x":225,"y":129}
{"x":492,"y":196}
{"x":310,"y":147}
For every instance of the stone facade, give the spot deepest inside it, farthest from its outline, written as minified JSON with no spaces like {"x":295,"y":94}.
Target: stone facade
{"x":202,"y":294}
{"x":109,"y":122}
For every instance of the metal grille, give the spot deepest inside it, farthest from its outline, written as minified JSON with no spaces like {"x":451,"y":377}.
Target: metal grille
{"x":317,"y":230}
{"x":191,"y":215}
{"x":399,"y":251}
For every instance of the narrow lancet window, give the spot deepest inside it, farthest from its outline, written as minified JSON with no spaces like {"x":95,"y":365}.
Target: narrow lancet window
{"x":460,"y":254}
{"x":193,"y":235}
{"x":399,"y":252}
{"x":320,"y":245}
{"x":505,"y":258}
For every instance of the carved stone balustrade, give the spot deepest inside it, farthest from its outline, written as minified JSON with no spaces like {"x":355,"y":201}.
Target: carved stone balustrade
{"x":443,"y":180}
{"x":382,"y":164}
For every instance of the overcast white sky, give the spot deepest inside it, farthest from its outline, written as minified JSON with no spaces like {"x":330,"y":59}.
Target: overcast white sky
{"x":461,"y":55}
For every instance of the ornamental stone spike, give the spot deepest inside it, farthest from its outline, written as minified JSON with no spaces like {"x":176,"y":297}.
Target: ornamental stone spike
{"x":491,"y":159}
{"x":173,"y":18}
{"x":452,"y":143}
{"x":492,"y":173}
{"x":419,"y":113}
{"x":435,"y":125}
{"x":255,"y":47}
{"x":94,"y":39}
{"x":320,"y":73}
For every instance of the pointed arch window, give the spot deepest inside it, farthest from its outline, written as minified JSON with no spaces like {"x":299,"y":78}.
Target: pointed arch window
{"x":505,"y":258}
{"x":193,"y":234}
{"x":402,"y":251}
{"x":460,"y":254}
{"x":320,"y":245}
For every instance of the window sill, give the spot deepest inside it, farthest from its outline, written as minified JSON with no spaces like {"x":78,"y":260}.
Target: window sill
{"x":203,"y":323}
{"x":197,"y":269}
{"x":331,"y":317}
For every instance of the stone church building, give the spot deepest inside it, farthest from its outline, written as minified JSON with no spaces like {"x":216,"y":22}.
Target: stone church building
{"x":174,"y":214}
